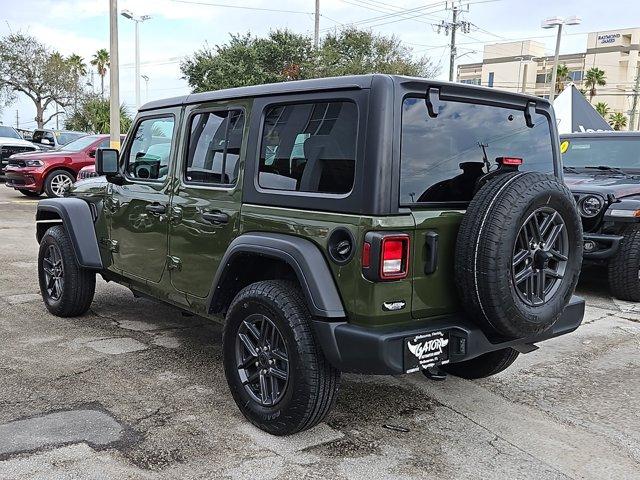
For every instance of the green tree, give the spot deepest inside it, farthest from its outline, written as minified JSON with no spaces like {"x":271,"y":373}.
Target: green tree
{"x":618,"y":121}
{"x":28,"y":67}
{"x":562,"y":76}
{"x":354,"y":52}
{"x":284,"y":55}
{"x":78,"y":70}
{"x":603,"y":109}
{"x":92,"y":115}
{"x":593,"y":79}
{"x":101,"y":61}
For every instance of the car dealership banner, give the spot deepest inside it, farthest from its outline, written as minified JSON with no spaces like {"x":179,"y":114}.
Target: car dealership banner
{"x":575,"y":114}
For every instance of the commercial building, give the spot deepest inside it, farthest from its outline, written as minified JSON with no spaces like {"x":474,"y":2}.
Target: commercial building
{"x":523,"y":66}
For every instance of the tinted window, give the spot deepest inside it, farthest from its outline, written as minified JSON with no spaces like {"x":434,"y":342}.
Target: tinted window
{"x":149,"y":154}
{"x":443,"y":157}
{"x":309,"y":147}
{"x":591,"y":152}
{"x":67,"y":137}
{"x":80,"y":144}
{"x":214,"y":147}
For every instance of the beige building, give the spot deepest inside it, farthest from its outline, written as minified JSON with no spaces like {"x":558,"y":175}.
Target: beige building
{"x":523,"y":66}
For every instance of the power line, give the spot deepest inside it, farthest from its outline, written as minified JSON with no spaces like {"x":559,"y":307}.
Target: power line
{"x":225,"y":5}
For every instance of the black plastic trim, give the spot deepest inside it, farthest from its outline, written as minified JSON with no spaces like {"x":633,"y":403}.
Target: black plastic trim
{"x":379,"y":351}
{"x":304,"y":257}
{"x":611,"y":245}
{"x":78,"y":221}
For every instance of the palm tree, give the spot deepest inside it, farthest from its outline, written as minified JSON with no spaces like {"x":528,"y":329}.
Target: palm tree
{"x":101,"y":61}
{"x":78,"y":70}
{"x":562,"y":75}
{"x":618,"y":121}
{"x":603,"y":109}
{"x":594,"y":78}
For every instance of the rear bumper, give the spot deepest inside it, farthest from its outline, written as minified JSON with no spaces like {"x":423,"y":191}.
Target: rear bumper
{"x":605,"y":246}
{"x":352,"y":348}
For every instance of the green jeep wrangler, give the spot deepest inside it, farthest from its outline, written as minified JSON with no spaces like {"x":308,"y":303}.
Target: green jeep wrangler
{"x":373,"y":224}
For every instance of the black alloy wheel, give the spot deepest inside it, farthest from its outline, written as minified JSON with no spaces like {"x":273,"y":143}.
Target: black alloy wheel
{"x":53,"y":272}
{"x":261,"y":356}
{"x":540,"y":256}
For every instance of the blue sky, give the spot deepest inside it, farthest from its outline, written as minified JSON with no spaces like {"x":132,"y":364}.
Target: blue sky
{"x":178,"y":27}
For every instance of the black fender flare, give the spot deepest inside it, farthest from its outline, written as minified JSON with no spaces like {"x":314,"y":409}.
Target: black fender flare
{"x":78,"y":221}
{"x":303,"y":256}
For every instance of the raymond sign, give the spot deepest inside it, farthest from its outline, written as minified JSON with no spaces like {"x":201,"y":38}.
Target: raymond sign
{"x":608,"y":38}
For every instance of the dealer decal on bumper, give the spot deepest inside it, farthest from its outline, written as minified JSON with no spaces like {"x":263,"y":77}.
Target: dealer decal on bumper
{"x":426,"y":350}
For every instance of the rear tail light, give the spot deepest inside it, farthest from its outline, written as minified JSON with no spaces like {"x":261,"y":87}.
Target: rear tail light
{"x":385,"y":256}
{"x":511,"y":161}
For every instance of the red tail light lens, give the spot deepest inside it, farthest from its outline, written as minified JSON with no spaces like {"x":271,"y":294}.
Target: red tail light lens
{"x":394,"y":258}
{"x":515,"y":161}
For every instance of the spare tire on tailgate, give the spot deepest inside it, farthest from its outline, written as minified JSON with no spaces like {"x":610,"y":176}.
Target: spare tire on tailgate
{"x":518,"y":253}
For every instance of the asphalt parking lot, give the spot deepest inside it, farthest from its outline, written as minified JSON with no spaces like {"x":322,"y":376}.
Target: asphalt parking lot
{"x":135,"y":390}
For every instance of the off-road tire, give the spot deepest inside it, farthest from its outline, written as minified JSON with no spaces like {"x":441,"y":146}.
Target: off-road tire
{"x":47,"y":183}
{"x":485,"y":248}
{"x":624,"y":267}
{"x":29,"y":193}
{"x":79,"y":283}
{"x":483,"y":366}
{"x":312,"y":387}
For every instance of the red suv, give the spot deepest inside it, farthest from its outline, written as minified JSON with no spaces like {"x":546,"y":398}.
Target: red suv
{"x":53,"y":171}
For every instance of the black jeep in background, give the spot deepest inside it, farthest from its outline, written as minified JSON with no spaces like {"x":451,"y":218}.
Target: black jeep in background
{"x":603,"y":172}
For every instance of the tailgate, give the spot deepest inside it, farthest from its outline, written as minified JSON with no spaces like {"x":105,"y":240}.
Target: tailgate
{"x":434,"y":292}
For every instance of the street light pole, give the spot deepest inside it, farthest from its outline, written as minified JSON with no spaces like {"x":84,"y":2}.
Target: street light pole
{"x":137,"y":20}
{"x":554,"y":72}
{"x":552,"y":23}
{"x":114,"y":73}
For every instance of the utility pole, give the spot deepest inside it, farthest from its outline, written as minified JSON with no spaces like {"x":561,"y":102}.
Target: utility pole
{"x":316,"y":30}
{"x":634,"y":106}
{"x":114,"y":73}
{"x":137,"y":20}
{"x":452,"y":27}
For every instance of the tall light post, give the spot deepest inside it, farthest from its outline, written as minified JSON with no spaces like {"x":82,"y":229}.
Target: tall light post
{"x":554,"y":22}
{"x":146,"y":87}
{"x":114,"y":72}
{"x":137,"y":20}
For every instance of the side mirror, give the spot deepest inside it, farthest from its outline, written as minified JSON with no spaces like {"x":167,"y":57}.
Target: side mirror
{"x":91,"y":153}
{"x":107,"y":161}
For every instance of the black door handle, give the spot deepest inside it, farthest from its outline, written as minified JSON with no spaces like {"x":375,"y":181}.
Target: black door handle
{"x":217,"y":218}
{"x":156,"y":208}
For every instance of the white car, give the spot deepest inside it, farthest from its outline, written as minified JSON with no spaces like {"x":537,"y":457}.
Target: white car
{"x":10,"y":143}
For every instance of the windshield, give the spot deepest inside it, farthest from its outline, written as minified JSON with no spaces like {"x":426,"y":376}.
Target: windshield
{"x":8,"y":132}
{"x":65,"y":138}
{"x":80,"y":144}
{"x":443,"y":157}
{"x":620,"y":152}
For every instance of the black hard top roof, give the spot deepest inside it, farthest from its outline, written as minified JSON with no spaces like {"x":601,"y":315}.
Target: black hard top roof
{"x":318,"y":84}
{"x":607,"y":134}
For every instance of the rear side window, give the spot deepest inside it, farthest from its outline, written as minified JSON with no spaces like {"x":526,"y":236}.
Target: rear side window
{"x":215,"y":140}
{"x":443,"y":157}
{"x":309,"y":147}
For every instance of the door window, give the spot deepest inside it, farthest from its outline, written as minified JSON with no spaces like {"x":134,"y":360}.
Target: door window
{"x":150,"y":151}
{"x":215,"y":141}
{"x":309,"y":147}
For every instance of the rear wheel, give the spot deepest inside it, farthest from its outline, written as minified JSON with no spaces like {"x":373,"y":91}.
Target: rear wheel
{"x":277,"y":373}
{"x":57,"y":183}
{"x":29,"y":193}
{"x":624,"y":267}
{"x":483,"y":366}
{"x":67,"y":289}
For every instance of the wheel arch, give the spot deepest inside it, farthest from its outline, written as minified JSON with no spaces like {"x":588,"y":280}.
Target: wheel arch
{"x":273,"y":255}
{"x":76,"y":217}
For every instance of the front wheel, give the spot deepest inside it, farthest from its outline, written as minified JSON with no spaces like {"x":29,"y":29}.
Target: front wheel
{"x":57,"y":183}
{"x":67,"y":289}
{"x":277,"y":373}
{"x":624,"y":267}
